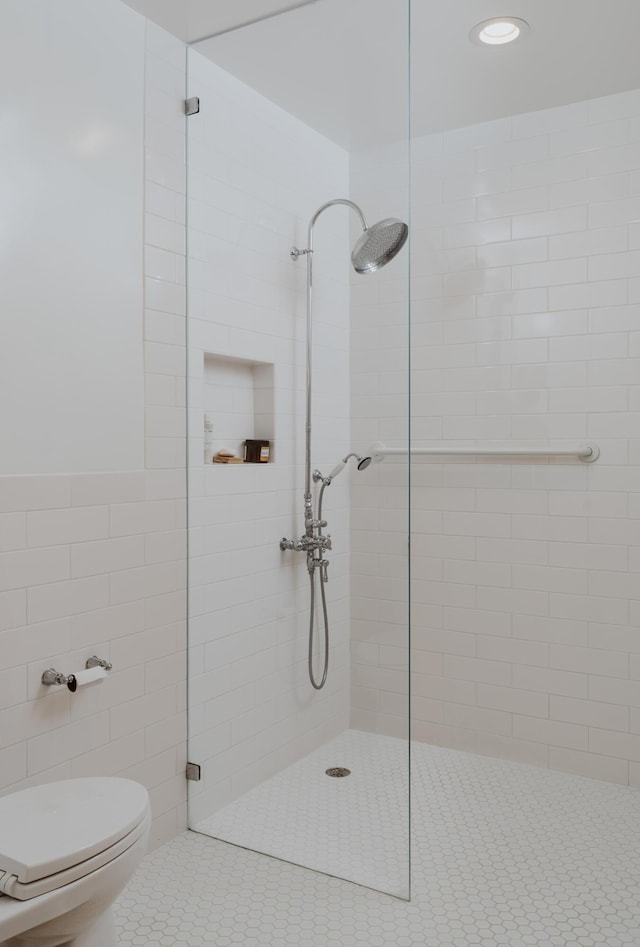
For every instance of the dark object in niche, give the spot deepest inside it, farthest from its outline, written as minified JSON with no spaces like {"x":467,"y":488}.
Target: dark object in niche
{"x":257,"y":452}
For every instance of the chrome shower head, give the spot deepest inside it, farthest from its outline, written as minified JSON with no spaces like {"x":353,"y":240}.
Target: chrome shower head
{"x":363,"y":462}
{"x":379,"y":244}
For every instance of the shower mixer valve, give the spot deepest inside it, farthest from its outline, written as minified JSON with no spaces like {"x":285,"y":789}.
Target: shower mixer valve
{"x":314,"y":542}
{"x":307,"y":543}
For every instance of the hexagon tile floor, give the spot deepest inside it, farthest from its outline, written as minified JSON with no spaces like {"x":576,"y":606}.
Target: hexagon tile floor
{"x":503,"y":854}
{"x":355,"y":827}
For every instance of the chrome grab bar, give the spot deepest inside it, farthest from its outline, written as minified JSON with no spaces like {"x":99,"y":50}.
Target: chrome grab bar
{"x":587,"y":452}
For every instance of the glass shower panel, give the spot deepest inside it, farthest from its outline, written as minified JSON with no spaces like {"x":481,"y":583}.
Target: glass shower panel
{"x":297,"y":372}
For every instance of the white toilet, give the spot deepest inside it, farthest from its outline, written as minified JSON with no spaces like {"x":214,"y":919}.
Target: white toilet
{"x":67,"y":849}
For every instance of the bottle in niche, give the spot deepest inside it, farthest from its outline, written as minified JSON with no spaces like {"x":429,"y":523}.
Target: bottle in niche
{"x":208,"y":439}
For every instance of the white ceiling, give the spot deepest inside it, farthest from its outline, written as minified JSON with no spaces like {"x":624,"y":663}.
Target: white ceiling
{"x":342,"y":65}
{"x":190,"y":20}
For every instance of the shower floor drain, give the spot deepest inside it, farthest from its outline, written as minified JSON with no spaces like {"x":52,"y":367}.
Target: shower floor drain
{"x":338,"y":771}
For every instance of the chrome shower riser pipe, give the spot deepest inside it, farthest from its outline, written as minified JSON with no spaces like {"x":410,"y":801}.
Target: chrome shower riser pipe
{"x":309,"y":254}
{"x":374,"y":249}
{"x":309,"y":522}
{"x":308,"y":510}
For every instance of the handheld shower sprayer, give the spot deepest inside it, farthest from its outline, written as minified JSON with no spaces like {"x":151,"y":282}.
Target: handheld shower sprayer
{"x":363,"y":463}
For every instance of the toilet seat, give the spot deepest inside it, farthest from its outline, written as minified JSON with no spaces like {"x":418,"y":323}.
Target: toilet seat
{"x":74,"y":828}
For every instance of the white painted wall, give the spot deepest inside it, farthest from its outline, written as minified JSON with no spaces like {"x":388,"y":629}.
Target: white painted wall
{"x":526,"y":331}
{"x":256,"y":175}
{"x":71,"y":167}
{"x":94,"y":562}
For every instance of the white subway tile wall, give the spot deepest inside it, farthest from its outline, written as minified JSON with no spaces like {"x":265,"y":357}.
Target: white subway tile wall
{"x":256,"y":176}
{"x":524,"y":330}
{"x":95,"y":563}
{"x":380,"y":412}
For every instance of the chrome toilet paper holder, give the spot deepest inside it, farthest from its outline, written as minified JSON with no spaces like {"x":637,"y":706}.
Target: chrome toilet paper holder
{"x":51,"y":676}
{"x":96,"y":662}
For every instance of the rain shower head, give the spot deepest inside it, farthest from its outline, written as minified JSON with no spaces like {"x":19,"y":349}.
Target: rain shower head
{"x":379,"y":244}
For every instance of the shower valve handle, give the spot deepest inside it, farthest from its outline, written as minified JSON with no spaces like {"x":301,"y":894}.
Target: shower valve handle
{"x":298,"y":545}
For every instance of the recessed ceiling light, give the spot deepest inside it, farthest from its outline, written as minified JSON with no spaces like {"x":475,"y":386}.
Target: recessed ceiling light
{"x":498,"y":31}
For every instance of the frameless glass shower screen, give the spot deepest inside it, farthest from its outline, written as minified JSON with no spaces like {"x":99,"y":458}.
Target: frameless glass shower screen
{"x":298,"y":566}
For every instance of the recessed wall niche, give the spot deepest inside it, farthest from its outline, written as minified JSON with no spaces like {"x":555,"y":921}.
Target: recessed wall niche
{"x":238,"y":400}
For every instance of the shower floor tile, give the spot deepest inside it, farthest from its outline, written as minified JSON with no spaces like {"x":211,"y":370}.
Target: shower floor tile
{"x":503,"y":854}
{"x":354,"y":827}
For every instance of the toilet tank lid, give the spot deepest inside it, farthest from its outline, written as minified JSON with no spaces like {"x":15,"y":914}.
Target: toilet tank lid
{"x":48,"y":828}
